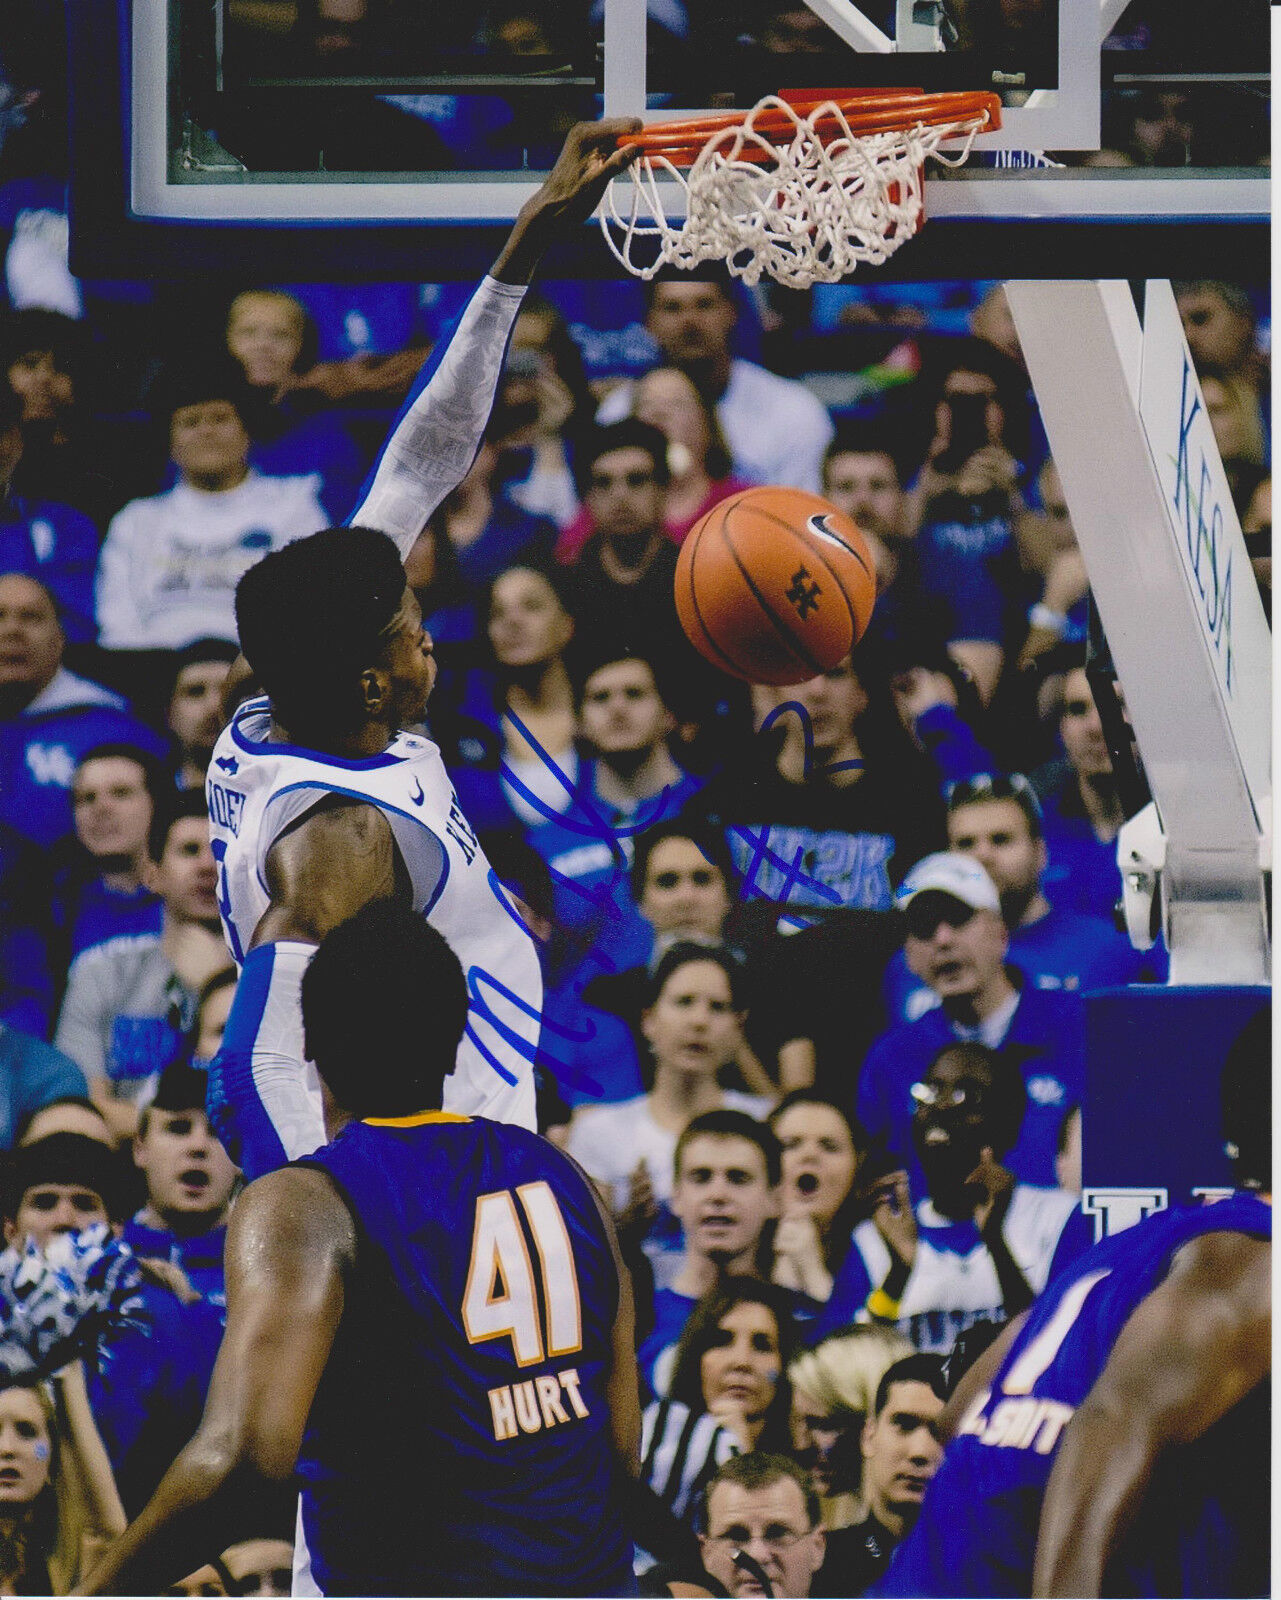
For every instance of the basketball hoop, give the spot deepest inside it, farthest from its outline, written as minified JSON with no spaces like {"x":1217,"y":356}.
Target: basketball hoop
{"x":804,"y":187}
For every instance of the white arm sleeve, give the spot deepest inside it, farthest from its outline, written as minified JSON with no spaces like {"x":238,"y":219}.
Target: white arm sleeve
{"x":264,"y":1095}
{"x":438,"y":433}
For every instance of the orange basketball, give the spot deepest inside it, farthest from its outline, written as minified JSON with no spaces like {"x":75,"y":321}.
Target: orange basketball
{"x":774,"y":585}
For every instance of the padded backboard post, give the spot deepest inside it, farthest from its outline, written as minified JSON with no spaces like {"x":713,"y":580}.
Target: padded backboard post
{"x":1176,"y":595}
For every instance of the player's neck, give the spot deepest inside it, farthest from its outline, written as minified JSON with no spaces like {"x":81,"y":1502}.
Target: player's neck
{"x":1102,"y":804}
{"x":182,"y":1224}
{"x":370,"y":740}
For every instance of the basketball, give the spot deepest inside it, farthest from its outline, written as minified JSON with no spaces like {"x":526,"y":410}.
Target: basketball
{"x":775,"y":585}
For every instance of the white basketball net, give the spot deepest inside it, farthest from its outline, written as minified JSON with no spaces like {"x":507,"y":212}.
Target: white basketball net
{"x":800,"y":208}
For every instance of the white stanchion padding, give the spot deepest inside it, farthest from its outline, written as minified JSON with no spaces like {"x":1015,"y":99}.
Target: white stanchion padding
{"x":1208,"y":536}
{"x":1175,"y":593}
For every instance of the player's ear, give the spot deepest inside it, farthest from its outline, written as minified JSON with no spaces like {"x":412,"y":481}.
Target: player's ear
{"x":375,"y":687}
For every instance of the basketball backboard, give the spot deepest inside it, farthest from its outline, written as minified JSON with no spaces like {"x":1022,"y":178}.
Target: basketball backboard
{"x":249,"y":115}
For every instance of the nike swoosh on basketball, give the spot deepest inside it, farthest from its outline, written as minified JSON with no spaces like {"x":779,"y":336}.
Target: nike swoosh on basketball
{"x":818,"y":524}
{"x":420,"y":796}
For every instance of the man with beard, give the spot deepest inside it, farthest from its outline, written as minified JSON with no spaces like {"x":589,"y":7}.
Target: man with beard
{"x":980,"y":1244}
{"x":901,"y":1453}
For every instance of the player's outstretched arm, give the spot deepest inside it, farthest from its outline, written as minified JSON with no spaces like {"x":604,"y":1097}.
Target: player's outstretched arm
{"x":265,"y":1109}
{"x":438,"y":432}
{"x":1195,"y":1347}
{"x":289,"y":1245}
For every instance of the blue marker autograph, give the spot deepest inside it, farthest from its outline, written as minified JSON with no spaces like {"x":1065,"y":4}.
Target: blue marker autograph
{"x":585,"y":817}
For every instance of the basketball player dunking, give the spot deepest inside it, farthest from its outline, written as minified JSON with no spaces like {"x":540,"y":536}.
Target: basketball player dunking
{"x":318,"y":803}
{"x":429,"y":1317}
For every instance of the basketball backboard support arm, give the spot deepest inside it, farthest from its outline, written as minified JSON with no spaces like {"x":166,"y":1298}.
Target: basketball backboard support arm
{"x":1176,"y":594}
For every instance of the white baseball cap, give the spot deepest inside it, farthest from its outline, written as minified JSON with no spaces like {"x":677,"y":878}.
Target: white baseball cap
{"x":949,"y":872}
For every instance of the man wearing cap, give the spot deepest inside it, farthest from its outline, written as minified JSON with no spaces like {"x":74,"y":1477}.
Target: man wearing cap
{"x":957,"y":944}
{"x":169,"y":566}
{"x":997,"y":821}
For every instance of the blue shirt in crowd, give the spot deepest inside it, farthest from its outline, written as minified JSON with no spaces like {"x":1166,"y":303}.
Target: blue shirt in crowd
{"x":1046,"y":1034}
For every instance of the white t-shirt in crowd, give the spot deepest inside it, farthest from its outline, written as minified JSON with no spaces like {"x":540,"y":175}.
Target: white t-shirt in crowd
{"x":776,"y":429}
{"x":170,"y":563}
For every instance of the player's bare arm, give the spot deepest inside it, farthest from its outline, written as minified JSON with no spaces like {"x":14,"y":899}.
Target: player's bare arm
{"x":338,"y":858}
{"x":1195,"y":1347}
{"x":289,"y":1246}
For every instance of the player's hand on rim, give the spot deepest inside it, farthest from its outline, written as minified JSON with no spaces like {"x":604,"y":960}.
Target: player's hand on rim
{"x":589,"y":158}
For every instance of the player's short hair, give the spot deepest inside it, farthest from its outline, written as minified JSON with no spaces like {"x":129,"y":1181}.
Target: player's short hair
{"x":170,"y":809}
{"x":68,"y":1158}
{"x":311,"y":618}
{"x":1008,"y":1103}
{"x":921,"y":1367}
{"x":1245,"y":1092}
{"x":685,"y":954}
{"x":10,"y":408}
{"x":182,"y":1087}
{"x":629,"y":434}
{"x":760,"y":1468}
{"x":710,"y":842}
{"x":1232,"y":295}
{"x":384,"y":1005}
{"x":214,"y":376}
{"x":859,"y":1137}
{"x":729,"y":1124}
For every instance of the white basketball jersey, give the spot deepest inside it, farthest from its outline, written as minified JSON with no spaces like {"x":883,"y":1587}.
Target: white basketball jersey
{"x":257,"y":789}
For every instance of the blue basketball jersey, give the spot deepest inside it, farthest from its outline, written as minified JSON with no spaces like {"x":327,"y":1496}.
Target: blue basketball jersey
{"x":459,"y":1442}
{"x":1203,"y":1527}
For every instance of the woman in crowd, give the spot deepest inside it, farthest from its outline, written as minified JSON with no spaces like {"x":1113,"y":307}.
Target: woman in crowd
{"x":729,"y":1392}
{"x":821,"y":1155}
{"x":512,"y":747}
{"x":697,"y":456}
{"x":692,"y":1025}
{"x":833,"y":1390}
{"x":58,"y":1501}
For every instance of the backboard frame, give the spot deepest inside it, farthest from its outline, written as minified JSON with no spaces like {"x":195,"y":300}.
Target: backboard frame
{"x":987,"y":224}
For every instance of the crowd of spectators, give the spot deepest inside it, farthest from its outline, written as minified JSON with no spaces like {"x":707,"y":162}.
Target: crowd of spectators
{"x":813,"y":957}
